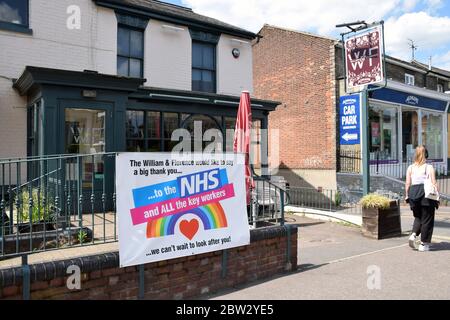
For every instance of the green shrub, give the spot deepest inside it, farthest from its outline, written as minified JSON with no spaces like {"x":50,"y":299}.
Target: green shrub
{"x":37,"y":210}
{"x":82,"y":236}
{"x":375,"y":201}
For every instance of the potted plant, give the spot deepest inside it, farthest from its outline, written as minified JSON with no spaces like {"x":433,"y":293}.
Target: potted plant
{"x":380,"y":217}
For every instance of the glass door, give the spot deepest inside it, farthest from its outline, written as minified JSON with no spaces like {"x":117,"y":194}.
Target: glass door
{"x":85,"y":133}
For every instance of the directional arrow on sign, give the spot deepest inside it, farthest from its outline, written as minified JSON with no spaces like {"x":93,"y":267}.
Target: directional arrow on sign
{"x":350,"y":136}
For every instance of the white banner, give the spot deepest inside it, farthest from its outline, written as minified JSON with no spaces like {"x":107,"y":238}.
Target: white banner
{"x":171,"y":207}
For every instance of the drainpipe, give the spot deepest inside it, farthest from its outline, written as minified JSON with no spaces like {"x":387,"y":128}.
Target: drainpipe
{"x":446,"y":137}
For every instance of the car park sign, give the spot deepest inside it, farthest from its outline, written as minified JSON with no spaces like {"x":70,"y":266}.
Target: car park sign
{"x":349,"y":118}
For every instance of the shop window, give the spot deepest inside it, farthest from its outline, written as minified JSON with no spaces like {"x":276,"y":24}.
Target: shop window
{"x":383,"y":133}
{"x":410,"y":135}
{"x":409,"y":79}
{"x":14,"y":11}
{"x":130,"y":52}
{"x":432,"y":130}
{"x":203,"y":67}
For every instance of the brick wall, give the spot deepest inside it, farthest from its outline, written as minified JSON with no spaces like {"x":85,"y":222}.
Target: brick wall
{"x":298,"y":70}
{"x":181,"y":278}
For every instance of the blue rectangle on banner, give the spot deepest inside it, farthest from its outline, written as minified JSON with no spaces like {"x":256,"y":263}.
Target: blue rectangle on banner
{"x":350,"y":120}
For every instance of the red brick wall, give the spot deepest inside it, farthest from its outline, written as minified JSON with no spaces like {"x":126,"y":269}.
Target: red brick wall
{"x":298,"y":69}
{"x":181,"y":278}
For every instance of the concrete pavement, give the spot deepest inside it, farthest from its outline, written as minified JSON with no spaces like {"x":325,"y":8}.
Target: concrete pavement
{"x":337,"y":262}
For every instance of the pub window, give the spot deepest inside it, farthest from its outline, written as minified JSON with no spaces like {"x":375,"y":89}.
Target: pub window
{"x":409,"y":79}
{"x":150,"y":131}
{"x":130,"y":52}
{"x":203,"y":67}
{"x":14,"y":11}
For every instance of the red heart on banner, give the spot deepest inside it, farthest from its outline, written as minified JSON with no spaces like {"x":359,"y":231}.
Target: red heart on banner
{"x":189,"y":228}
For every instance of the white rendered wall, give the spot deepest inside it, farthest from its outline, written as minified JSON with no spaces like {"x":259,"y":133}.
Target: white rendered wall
{"x":234,"y":75}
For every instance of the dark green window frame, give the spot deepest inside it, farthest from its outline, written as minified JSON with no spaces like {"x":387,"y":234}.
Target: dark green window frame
{"x":22,"y":27}
{"x":131,"y":56}
{"x":203,"y":68}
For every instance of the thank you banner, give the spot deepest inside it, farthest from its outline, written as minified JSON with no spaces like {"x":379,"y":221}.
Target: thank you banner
{"x":171,"y":207}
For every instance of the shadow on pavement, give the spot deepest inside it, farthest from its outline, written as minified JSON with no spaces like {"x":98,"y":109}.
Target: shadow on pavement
{"x":308,"y":266}
{"x":441,"y":246}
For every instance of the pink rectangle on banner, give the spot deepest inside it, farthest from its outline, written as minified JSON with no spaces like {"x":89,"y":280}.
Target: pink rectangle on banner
{"x":154,"y":211}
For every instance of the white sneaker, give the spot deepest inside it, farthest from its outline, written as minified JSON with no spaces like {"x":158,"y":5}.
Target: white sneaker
{"x":424,"y":247}
{"x":412,"y":241}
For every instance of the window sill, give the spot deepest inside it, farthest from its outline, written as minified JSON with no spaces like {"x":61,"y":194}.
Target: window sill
{"x":15,"y":27}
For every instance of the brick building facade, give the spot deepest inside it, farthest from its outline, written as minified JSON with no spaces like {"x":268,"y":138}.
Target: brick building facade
{"x":306,"y":73}
{"x":299,"y":69}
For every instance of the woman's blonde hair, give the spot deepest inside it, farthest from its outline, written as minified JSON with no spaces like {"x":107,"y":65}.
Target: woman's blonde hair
{"x":419,"y":157}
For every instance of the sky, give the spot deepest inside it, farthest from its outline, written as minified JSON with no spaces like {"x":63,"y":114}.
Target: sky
{"x":426,"y":22}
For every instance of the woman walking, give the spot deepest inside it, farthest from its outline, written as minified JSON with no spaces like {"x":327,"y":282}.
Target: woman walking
{"x":422,"y":207}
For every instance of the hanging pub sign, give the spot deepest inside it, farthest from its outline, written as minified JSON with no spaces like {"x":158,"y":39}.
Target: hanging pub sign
{"x":364,"y":61}
{"x":176,"y":206}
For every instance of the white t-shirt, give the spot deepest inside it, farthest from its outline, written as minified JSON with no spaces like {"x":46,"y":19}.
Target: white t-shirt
{"x":419,"y":173}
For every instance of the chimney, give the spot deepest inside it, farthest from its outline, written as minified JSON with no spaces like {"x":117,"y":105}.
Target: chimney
{"x":429,"y":63}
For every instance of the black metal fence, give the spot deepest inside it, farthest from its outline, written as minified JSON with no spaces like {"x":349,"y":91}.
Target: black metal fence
{"x":325,"y":200}
{"x":56,"y":202}
{"x":64,"y":201}
{"x":350,"y":161}
{"x":268,"y":202}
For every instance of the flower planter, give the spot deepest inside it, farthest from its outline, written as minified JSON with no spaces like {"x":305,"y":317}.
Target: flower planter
{"x":382,"y":223}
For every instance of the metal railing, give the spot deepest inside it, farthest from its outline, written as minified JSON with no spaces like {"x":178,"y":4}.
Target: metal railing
{"x":325,"y":200}
{"x":63,"y":201}
{"x":350,"y":162}
{"x":55,"y":202}
{"x":268,"y":202}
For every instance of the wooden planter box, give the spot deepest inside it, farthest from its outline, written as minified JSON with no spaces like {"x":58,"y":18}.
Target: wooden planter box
{"x":382,"y":224}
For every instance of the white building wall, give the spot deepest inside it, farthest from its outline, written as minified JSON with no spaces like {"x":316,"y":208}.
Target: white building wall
{"x":51,"y":45}
{"x":167,"y":56}
{"x":234,"y":75}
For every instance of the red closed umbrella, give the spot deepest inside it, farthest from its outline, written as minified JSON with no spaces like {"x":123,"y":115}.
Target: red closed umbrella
{"x":242,"y":137}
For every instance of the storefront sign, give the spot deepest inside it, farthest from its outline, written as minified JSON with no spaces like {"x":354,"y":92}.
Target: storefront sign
{"x":364,"y":61}
{"x":405,"y":98}
{"x":174,"y":207}
{"x":350,"y":119}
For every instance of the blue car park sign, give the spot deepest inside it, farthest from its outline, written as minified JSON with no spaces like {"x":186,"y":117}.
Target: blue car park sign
{"x":350,"y":132}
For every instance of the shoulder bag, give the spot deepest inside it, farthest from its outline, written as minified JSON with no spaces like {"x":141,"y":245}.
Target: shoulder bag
{"x":430,"y":189}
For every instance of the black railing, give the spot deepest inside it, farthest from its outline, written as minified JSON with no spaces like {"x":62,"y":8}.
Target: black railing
{"x":64,"y":201}
{"x":325,"y":200}
{"x":349,"y":161}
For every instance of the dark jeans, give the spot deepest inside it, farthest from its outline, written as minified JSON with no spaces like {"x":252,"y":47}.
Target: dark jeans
{"x":424,"y":222}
